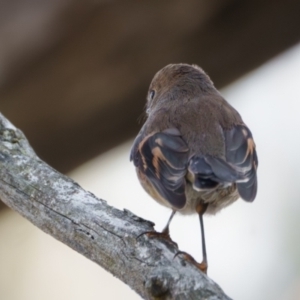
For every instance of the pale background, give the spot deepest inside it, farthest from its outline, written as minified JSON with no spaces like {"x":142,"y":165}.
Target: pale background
{"x":253,"y":249}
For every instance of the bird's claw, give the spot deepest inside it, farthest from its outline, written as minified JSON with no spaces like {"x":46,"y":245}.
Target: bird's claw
{"x":202,"y":266}
{"x":161,"y":235}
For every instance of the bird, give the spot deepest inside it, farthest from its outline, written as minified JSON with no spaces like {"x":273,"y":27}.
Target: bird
{"x":194,"y":154}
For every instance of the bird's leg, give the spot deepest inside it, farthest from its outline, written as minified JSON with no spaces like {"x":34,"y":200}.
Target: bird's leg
{"x":201,"y":210}
{"x":166,"y":231}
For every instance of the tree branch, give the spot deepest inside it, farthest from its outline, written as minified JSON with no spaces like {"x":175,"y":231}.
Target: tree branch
{"x":59,"y":206}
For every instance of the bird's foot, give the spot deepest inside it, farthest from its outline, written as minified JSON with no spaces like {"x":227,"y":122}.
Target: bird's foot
{"x":202,"y":266}
{"x":164,"y":235}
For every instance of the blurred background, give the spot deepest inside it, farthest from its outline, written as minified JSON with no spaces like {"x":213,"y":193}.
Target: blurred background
{"x":74,"y":77}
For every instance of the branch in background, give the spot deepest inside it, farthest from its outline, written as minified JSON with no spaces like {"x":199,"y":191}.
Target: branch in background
{"x":59,"y":206}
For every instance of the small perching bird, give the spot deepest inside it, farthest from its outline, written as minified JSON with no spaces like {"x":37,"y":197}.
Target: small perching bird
{"x":194,"y":153}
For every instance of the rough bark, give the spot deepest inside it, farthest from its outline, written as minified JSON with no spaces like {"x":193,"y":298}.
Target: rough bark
{"x":60,"y":207}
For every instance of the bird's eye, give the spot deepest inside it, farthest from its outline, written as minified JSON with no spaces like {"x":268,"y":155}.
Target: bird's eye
{"x":152,"y":94}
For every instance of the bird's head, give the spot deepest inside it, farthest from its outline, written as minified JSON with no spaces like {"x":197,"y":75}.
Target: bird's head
{"x":176,"y":83}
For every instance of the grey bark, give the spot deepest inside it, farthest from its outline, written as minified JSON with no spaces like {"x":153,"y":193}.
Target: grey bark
{"x":60,"y":207}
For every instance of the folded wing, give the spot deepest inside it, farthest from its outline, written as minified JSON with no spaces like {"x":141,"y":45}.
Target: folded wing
{"x":239,"y":165}
{"x":163,"y":158}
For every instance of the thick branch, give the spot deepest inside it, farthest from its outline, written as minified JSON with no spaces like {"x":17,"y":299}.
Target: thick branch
{"x":60,"y":207}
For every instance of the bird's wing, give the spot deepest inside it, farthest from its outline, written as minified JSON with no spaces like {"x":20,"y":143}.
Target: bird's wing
{"x":239,"y":165}
{"x":163,"y":158}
